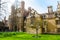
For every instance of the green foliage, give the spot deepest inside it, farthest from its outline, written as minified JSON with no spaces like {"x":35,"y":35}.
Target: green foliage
{"x":37,"y":23}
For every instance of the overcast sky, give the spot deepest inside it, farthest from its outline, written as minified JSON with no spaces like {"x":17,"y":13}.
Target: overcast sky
{"x":39,"y":5}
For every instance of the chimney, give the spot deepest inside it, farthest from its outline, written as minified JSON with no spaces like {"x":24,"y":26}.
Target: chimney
{"x":29,"y":9}
{"x":50,"y":10}
{"x":58,"y":7}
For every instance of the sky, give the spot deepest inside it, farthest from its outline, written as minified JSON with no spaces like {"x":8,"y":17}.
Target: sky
{"x":39,"y":5}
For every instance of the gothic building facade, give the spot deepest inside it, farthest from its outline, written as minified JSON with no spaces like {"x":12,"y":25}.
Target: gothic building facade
{"x":51,"y":20}
{"x":18,"y":17}
{"x":30,"y":20}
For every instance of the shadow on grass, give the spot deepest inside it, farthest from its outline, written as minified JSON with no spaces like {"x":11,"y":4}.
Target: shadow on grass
{"x":50,"y":34}
{"x":10,"y":34}
{"x":6,"y":34}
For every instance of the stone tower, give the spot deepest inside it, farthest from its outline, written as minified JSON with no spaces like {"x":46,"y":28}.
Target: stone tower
{"x":50,"y":10}
{"x":22,"y":5}
{"x":12,"y":19}
{"x":22,"y":16}
{"x":12,"y":9}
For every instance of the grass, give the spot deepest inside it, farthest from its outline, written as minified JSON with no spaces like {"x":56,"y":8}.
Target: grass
{"x":26,"y":36}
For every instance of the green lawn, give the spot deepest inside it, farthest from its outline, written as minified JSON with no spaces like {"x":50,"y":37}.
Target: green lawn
{"x":25,"y":36}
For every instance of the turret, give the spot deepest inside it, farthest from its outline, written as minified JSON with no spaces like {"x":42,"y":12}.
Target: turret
{"x":12,"y":8}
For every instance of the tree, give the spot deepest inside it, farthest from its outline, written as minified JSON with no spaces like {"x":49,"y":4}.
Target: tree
{"x":37,"y":23}
{"x":3,"y":9}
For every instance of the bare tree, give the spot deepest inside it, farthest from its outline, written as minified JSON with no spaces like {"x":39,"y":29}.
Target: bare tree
{"x":3,"y":9}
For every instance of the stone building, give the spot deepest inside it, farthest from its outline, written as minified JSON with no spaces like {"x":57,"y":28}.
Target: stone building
{"x":17,"y":17}
{"x":51,"y":20}
{"x":29,"y":20}
{"x":33,"y":21}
